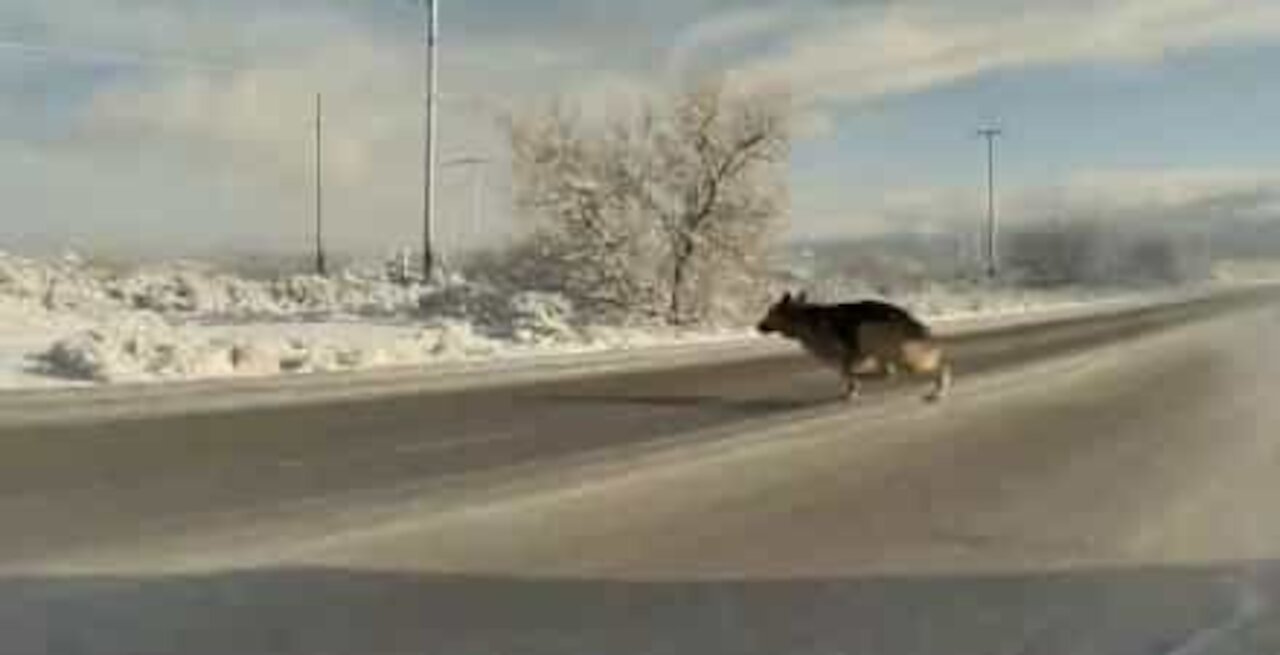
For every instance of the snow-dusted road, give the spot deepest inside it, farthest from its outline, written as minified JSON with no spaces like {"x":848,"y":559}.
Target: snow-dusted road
{"x":1094,"y":486}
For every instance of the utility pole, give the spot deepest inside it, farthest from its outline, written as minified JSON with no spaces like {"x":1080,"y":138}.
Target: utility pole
{"x":430,"y":263}
{"x":319,"y":183}
{"x":990,"y":134}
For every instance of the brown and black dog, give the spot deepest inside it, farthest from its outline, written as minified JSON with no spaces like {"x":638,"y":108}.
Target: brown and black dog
{"x":861,"y":338}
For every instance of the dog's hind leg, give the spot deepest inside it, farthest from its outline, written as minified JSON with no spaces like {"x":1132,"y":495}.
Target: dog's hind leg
{"x":852,"y":386}
{"x":941,"y":383}
{"x":849,"y":366}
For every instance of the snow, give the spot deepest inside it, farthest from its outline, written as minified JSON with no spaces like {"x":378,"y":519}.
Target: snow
{"x":25,"y":329}
{"x":1247,"y":271}
{"x":68,"y":321}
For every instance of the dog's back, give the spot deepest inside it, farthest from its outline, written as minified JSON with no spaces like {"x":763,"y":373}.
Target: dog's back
{"x":892,"y":319}
{"x":860,"y":337}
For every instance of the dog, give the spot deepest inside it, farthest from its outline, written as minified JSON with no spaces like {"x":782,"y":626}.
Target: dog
{"x":861,"y":339}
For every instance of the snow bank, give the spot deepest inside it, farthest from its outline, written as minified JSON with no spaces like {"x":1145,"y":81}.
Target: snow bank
{"x":153,"y":349}
{"x":526,"y":317}
{"x":157,"y":351}
{"x":74,"y":320}
{"x":69,"y":320}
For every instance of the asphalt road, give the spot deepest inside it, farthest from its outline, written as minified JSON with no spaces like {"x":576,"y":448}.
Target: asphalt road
{"x":1093,"y":486}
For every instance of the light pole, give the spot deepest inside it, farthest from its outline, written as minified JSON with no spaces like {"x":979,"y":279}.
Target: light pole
{"x":431,"y":28}
{"x":990,"y":134}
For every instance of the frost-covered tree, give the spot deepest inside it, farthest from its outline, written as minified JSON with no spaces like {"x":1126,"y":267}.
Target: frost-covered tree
{"x":722,"y":159}
{"x":668,"y":210}
{"x":590,"y":239}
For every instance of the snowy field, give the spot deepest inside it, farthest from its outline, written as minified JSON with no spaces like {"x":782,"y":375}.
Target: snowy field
{"x":68,"y":322}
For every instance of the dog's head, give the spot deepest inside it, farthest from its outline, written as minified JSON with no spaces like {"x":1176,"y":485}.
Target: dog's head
{"x":782,"y":315}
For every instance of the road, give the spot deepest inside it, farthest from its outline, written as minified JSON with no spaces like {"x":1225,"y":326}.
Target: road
{"x":1092,"y":486}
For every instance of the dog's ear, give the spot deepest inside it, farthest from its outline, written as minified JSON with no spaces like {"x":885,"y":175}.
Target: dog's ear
{"x":801,"y":297}
{"x":786,"y":298}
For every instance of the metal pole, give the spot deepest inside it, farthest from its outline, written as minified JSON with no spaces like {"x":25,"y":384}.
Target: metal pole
{"x":429,"y":261}
{"x":991,"y":206}
{"x":990,"y":133}
{"x":319,"y":246}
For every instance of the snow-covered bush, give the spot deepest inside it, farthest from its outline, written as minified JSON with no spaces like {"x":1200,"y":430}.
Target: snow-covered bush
{"x":481,"y":303}
{"x":657,"y":212}
{"x":191,"y":290}
{"x":538,"y":317}
{"x":84,"y":356}
{"x":524,"y":316}
{"x":135,"y":350}
{"x":67,"y":282}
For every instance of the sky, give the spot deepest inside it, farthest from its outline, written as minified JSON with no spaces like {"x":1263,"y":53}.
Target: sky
{"x":185,"y":126}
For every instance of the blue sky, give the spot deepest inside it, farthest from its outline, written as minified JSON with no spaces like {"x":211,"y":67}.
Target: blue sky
{"x":182,"y":125}
{"x":1206,"y":111}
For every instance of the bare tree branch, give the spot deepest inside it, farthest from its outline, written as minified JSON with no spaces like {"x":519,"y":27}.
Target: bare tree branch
{"x":666,"y":205}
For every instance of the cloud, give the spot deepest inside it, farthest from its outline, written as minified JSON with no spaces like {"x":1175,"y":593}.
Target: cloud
{"x":723,"y":31}
{"x":166,"y":142}
{"x":853,"y":54}
{"x":812,"y":124}
{"x":263,"y":114}
{"x":1162,"y":195}
{"x":1166,"y":199}
{"x":191,"y":120}
{"x":106,"y":56}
